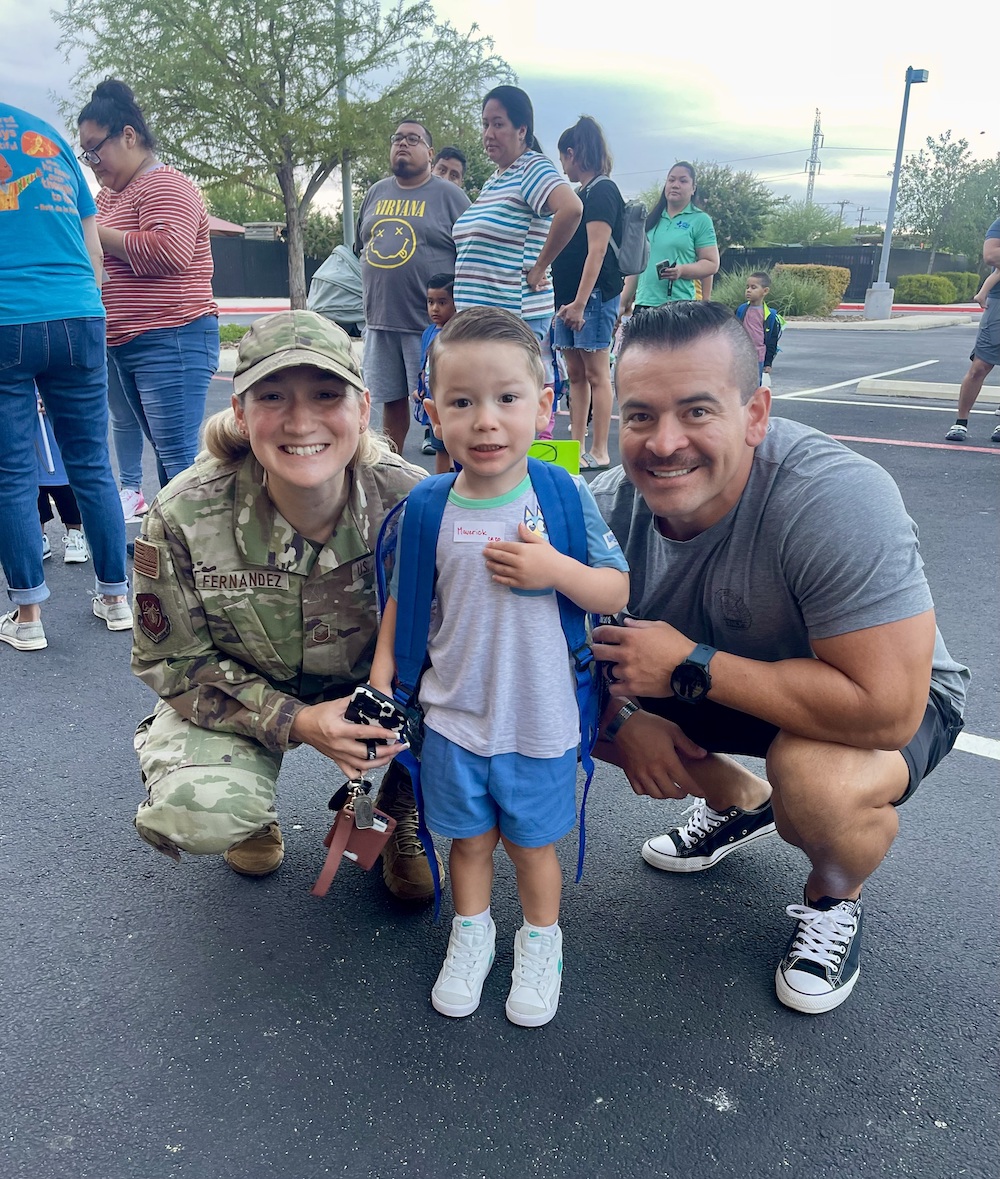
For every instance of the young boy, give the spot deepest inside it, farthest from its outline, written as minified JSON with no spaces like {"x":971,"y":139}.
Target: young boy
{"x":762,"y":325}
{"x":440,"y":308}
{"x":501,"y":722}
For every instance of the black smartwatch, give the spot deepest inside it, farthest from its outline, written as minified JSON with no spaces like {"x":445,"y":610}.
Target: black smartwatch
{"x":691,"y":681}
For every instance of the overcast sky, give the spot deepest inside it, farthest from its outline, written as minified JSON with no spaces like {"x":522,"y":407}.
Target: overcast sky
{"x":737,"y":81}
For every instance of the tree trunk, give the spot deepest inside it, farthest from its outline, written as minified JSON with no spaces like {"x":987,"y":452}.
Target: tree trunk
{"x":930,"y":260}
{"x":296,"y":247}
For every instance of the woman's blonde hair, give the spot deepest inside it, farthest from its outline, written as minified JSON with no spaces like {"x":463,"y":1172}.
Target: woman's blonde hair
{"x":223,"y":440}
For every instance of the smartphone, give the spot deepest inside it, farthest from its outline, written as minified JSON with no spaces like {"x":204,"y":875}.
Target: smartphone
{"x":666,"y":264}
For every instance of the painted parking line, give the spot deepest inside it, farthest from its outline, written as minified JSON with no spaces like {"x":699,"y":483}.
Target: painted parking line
{"x":982,"y":746}
{"x":854,"y":380}
{"x":922,"y":445}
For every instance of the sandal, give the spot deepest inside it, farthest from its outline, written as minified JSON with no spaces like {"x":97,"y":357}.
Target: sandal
{"x":588,"y":462}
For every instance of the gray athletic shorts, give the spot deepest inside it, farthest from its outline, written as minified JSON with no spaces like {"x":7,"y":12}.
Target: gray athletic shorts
{"x":391,"y":364}
{"x":987,"y":345}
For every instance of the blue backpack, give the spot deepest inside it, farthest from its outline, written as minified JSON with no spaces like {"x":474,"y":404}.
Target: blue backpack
{"x":559,"y":501}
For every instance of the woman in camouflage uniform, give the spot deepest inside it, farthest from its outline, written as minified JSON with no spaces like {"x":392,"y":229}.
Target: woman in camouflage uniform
{"x":255,"y":603}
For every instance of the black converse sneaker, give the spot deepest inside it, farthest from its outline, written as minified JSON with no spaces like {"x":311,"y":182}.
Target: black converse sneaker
{"x":823,"y":959}
{"x":707,"y":837}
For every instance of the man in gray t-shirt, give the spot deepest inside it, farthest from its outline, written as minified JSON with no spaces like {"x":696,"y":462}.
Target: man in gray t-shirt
{"x":404,"y":236}
{"x":784,"y":614}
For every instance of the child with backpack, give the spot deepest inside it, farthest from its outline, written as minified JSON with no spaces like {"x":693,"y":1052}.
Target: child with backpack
{"x":440,"y":308}
{"x":502,"y":727}
{"x":761,"y":323}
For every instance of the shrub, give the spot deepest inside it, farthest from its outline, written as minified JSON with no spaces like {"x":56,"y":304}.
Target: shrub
{"x":925,"y":288}
{"x":833,"y":279}
{"x":789,"y":294}
{"x":232,"y":333}
{"x":966,"y":283}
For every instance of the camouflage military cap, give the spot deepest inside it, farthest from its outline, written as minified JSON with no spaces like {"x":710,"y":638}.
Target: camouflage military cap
{"x":291,"y":338}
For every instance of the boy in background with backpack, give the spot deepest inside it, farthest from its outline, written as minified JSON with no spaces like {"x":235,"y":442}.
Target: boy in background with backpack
{"x":761,"y":323}
{"x":502,"y":726}
{"x":440,"y":308}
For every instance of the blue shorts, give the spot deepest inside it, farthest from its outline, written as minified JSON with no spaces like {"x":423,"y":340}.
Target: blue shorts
{"x":598,"y":325}
{"x":531,"y":799}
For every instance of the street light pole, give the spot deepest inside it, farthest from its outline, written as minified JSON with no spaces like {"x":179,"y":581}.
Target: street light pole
{"x":878,"y":297}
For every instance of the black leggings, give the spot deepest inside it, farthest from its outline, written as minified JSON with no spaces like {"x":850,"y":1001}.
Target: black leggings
{"x":65,"y":501}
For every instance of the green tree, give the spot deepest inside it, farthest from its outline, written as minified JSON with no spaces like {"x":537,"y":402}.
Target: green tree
{"x":276,"y":94}
{"x":800,"y":224}
{"x":738,"y":202}
{"x":948,"y":198}
{"x":238,"y":203}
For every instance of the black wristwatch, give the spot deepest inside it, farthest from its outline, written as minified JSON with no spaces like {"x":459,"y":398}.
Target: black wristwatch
{"x":691,"y":681}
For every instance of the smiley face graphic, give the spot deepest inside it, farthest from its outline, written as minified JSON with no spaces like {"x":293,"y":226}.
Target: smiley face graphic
{"x":392,"y":243}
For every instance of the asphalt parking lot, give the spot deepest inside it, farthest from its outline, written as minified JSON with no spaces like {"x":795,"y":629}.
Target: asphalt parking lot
{"x":163,"y":1021}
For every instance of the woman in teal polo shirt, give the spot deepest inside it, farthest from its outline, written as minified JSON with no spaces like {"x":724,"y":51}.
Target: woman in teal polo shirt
{"x":682,"y":246}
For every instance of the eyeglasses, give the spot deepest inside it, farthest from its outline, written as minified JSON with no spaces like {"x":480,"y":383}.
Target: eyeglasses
{"x":398,"y":137}
{"x":90,"y":156}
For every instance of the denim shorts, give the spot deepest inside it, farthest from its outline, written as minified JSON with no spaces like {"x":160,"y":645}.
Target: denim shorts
{"x":726,"y":730}
{"x":598,"y":325}
{"x":531,"y":799}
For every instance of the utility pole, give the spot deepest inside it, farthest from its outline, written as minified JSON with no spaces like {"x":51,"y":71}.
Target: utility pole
{"x":862,"y":209}
{"x":840,"y":219}
{"x":813,"y":165}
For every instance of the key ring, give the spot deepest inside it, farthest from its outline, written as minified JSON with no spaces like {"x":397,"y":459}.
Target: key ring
{"x":610,"y":673}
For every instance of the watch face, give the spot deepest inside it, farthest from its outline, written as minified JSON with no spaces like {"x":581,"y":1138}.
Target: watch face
{"x":689,"y":682}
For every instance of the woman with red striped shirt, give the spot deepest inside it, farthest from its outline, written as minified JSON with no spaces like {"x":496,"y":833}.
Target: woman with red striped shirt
{"x":163,"y":325}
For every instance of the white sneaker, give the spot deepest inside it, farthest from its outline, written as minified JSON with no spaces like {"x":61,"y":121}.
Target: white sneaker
{"x":117,"y":615}
{"x":536,"y":977}
{"x":46,"y":548}
{"x":957,"y":433}
{"x":471,"y":950}
{"x":133,"y":505}
{"x":76,"y":547}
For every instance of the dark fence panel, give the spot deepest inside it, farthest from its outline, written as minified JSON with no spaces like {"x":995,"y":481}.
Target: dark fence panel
{"x":250,"y":269}
{"x":859,"y":260}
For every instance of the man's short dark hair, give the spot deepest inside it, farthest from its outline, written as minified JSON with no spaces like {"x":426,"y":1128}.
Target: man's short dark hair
{"x":677,"y":324}
{"x":452,"y":153}
{"x":422,"y":126}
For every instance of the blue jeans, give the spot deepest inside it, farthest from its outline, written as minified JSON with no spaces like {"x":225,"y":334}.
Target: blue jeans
{"x":164,"y":377}
{"x":126,"y":433}
{"x":66,"y":359}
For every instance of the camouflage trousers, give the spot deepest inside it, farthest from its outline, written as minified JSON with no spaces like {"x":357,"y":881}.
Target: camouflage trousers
{"x":206,"y":790}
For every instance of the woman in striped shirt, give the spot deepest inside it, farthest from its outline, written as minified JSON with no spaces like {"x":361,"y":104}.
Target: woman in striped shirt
{"x":522,"y":218}
{"x":163,"y":326}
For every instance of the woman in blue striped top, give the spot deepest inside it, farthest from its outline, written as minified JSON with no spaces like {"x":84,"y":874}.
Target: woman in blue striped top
{"x":522,"y":218}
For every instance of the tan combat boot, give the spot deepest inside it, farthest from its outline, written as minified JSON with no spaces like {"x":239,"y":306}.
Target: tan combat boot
{"x":405,"y":870}
{"x":260,"y":855}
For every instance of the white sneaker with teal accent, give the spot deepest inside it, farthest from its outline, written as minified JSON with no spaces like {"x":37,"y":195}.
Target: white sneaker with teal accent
{"x":75,"y":545}
{"x":536,"y":977}
{"x":471,"y":950}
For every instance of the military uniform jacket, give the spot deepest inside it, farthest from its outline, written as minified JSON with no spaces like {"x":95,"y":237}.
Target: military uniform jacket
{"x":240,"y":621}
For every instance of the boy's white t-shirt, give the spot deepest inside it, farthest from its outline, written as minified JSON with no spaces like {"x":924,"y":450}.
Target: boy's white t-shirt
{"x":501,"y":679}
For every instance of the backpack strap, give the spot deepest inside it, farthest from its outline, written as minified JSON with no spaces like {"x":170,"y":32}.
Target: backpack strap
{"x":417,"y":573}
{"x":559,"y":501}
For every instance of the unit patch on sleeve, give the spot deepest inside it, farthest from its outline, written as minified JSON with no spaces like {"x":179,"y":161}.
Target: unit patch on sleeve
{"x":153,"y":623}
